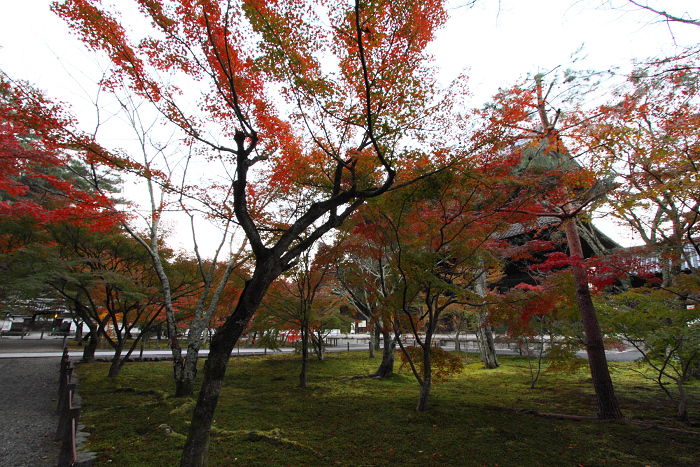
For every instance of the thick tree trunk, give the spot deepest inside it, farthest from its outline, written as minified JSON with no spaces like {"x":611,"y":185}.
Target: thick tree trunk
{"x":91,"y":346}
{"x":424,"y":397}
{"x":96,"y":336}
{"x":608,"y":408}
{"x":197,"y":444}
{"x":116,"y":365}
{"x":386,"y":368}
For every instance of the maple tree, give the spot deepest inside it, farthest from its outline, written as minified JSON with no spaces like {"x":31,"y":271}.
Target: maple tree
{"x":544,"y":320}
{"x":647,"y":140}
{"x":437,"y":234}
{"x":553,"y":187}
{"x":363,"y":272}
{"x":664,"y":330}
{"x":47,"y":183}
{"x":302,"y":300}
{"x":107,"y":282}
{"x":340,"y":141}
{"x":43,"y":179}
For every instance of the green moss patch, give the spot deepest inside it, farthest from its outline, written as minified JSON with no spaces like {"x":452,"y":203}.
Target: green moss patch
{"x":479,"y":417}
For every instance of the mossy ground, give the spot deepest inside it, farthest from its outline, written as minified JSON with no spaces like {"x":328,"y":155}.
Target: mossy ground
{"x":475,"y":419}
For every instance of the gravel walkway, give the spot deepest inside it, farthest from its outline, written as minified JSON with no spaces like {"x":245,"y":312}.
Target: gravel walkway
{"x":28,"y":388}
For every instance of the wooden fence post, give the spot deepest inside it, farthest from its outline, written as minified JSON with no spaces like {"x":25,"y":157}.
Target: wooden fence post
{"x":68,"y":453}
{"x":64,"y":407}
{"x":66,"y":375}
{"x":65,"y":361}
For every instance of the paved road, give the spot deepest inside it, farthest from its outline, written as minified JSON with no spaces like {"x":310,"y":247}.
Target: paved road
{"x":33,"y":346}
{"x":28,"y":387}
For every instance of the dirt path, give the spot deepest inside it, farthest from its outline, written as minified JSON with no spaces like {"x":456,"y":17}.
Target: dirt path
{"x":28,"y":397}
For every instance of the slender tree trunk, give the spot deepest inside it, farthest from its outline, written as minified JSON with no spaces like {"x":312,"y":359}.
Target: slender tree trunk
{"x":304,"y":353}
{"x":189,"y":370}
{"x":197,"y":444}
{"x":386,"y":368}
{"x":317,"y":343}
{"x":608,"y":408}
{"x":487,"y":346}
{"x":95,"y":334}
{"x":424,"y":397}
{"x":372,"y":344}
{"x":143,"y":347}
{"x":198,"y":331}
{"x":182,"y":384}
{"x":321,"y":352}
{"x":484,"y":334}
{"x":683,"y":402}
{"x":79,"y":333}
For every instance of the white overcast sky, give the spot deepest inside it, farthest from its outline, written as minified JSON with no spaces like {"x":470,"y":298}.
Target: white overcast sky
{"x":497,"y":41}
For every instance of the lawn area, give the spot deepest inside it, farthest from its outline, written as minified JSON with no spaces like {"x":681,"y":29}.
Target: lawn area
{"x":476,"y":418}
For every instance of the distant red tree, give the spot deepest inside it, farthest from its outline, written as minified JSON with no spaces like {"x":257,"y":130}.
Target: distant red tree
{"x":43,"y":179}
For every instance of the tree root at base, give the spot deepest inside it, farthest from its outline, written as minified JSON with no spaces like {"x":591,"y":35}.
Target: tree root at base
{"x":274,"y":436}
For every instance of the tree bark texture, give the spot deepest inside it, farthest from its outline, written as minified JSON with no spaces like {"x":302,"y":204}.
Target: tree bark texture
{"x":683,"y":401}
{"x":319,"y":346}
{"x":386,"y":368}
{"x":487,"y":346}
{"x":198,"y":329}
{"x":304,"y":353}
{"x":608,"y":408}
{"x":116,"y":365}
{"x":424,"y":397}
{"x":183,"y":386}
{"x":484,"y":333}
{"x":91,"y":346}
{"x":222,"y":344}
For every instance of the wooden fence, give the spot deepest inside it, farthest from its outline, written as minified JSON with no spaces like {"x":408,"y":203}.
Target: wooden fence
{"x":69,"y":417}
